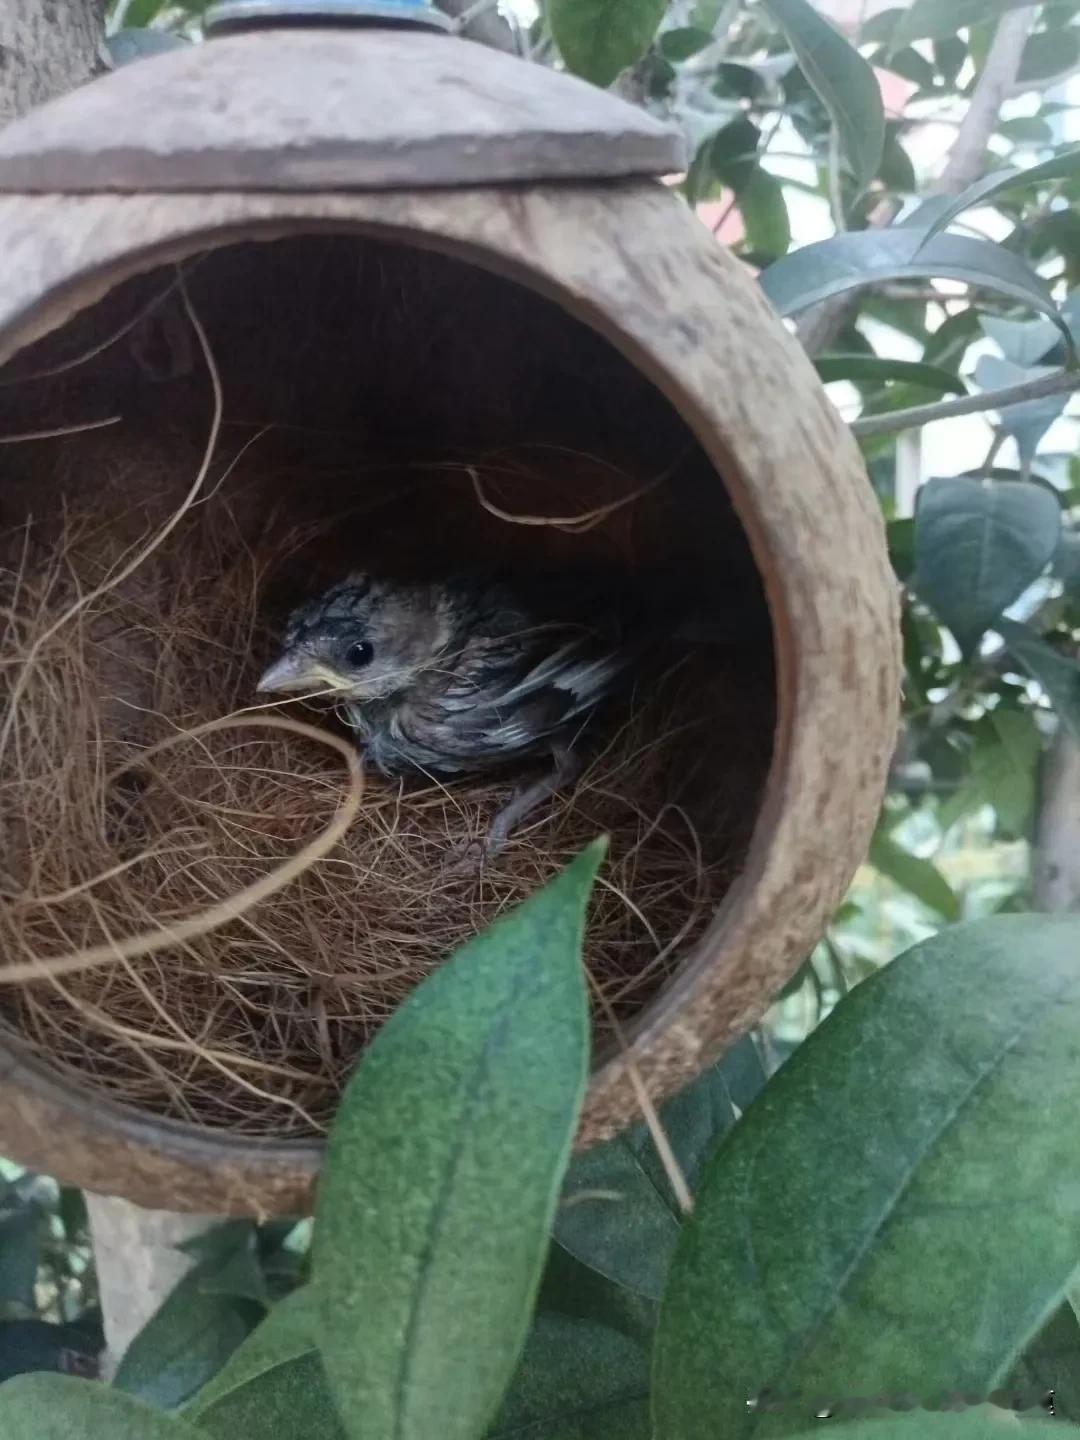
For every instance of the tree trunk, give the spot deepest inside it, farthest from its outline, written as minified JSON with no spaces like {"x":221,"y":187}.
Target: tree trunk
{"x":46,"y":48}
{"x":1056,"y":857}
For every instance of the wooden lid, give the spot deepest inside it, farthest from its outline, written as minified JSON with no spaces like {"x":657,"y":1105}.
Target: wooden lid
{"x":296,"y":110}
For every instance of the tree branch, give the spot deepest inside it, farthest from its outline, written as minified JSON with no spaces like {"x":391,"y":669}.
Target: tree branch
{"x":819,"y":327}
{"x":46,"y":49}
{"x":968,"y":150}
{"x":1065,"y":382}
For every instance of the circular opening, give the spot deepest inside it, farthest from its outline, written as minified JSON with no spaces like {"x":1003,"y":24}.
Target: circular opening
{"x":412,"y":418}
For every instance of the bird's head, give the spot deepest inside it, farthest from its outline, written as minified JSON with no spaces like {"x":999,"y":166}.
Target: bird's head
{"x":363,"y":639}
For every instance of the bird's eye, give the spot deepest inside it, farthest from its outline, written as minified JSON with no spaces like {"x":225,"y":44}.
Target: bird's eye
{"x":360,"y":654}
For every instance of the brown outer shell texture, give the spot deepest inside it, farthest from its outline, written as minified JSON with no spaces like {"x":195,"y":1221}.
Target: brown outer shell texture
{"x":629,"y":259}
{"x":632,"y":262}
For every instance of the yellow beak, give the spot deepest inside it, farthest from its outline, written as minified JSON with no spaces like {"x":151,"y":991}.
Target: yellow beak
{"x":293,"y":674}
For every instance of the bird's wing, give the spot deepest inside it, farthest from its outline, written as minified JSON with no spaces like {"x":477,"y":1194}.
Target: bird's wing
{"x":576,"y":672}
{"x":521,"y":710}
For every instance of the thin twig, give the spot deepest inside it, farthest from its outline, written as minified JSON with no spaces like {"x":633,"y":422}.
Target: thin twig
{"x":995,"y":445}
{"x":672,"y":1169}
{"x":99,"y":348}
{"x":573,"y":524}
{"x":1064,"y":382}
{"x":60,"y":430}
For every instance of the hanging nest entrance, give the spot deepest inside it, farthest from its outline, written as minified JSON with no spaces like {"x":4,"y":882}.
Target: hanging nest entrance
{"x":203,"y":924}
{"x":203,"y":919}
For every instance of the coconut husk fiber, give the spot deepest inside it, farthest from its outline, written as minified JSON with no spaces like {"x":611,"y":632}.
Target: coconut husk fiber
{"x":144,"y":788}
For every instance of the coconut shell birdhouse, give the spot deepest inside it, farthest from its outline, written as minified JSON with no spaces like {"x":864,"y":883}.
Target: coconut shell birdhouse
{"x":335,"y":292}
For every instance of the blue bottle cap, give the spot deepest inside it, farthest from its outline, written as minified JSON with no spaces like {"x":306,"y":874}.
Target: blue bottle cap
{"x":231,"y":15}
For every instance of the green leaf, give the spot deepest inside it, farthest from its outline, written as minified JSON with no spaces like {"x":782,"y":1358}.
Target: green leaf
{"x":1067,"y":561}
{"x":896,"y":171}
{"x":1046,"y":54}
{"x":916,"y":1245}
{"x":909,"y":64}
{"x":73,"y":1214}
{"x":1027,"y":130}
{"x":735,"y":78}
{"x":239,"y":1275}
{"x":573,"y":1289}
{"x":879,"y":29}
{"x":729,"y":157}
{"x":60,"y":1407}
{"x":765,"y":214}
{"x":680,"y":44}
{"x":978,"y":546}
{"x":1004,"y":758}
{"x":577,"y":1381}
{"x":1029,"y":422}
{"x":882,"y":368}
{"x":598,"y":39}
{"x":918,"y":877}
{"x":618,"y":1213}
{"x":442,"y":1173}
{"x":21,"y":1226}
{"x":1057,"y":674}
{"x":188,"y":1341}
{"x":950,"y":53}
{"x":1024,"y":342}
{"x":705,"y":15}
{"x":143,"y":12}
{"x":937,"y":213}
{"x":220,"y":1242}
{"x":983,"y":1423}
{"x":948,"y":345}
{"x":1050,"y":1364}
{"x":900,"y":535}
{"x":1005,"y":765}
{"x":941,"y":19}
{"x":743,"y":1072}
{"x":658,"y":75}
{"x":731,"y":154}
{"x":274,"y":1385}
{"x":843,"y":82}
{"x":870,"y":257}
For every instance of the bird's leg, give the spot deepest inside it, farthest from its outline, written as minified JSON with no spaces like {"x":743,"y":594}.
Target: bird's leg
{"x":524,"y":801}
{"x":517,"y":809}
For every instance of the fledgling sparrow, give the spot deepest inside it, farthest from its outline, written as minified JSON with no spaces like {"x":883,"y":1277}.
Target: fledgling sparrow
{"x":463,"y":676}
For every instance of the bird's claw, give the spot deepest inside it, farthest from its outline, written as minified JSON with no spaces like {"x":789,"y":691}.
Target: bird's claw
{"x":466,"y":861}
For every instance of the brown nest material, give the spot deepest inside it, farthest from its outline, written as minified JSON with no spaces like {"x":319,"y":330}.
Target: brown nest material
{"x":107,"y":833}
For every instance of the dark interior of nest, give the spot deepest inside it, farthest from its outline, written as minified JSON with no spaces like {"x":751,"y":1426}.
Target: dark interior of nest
{"x":384,"y":408}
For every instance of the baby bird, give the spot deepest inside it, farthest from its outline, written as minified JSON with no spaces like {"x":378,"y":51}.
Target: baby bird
{"x":460,"y":677}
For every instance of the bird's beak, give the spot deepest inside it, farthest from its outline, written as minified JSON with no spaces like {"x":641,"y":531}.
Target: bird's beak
{"x":287,"y":674}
